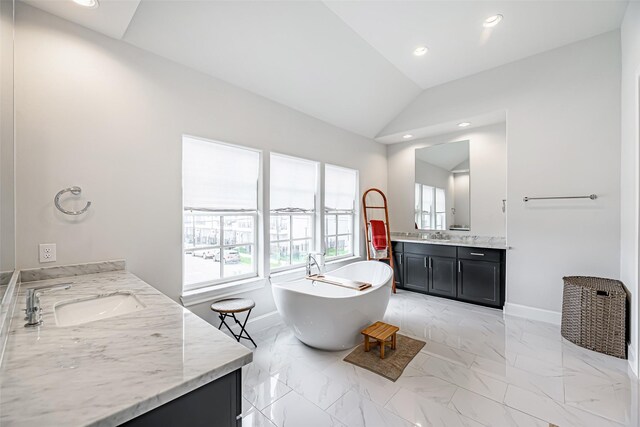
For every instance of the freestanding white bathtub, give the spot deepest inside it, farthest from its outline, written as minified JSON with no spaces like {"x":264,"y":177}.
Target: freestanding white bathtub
{"x":331,"y":317}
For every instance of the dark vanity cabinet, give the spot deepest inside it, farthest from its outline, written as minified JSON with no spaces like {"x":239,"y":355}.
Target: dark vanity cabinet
{"x":430,"y":269}
{"x":462,"y":273}
{"x":216,"y":404}
{"x":481,"y":276}
{"x":397,"y":250}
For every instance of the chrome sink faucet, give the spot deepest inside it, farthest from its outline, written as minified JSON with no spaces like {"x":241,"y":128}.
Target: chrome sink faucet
{"x":33,"y":310}
{"x":311,"y":261}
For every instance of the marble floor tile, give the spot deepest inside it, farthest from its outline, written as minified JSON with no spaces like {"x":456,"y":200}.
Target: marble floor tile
{"x":265,"y":393}
{"x":425,"y":412}
{"x":251,"y":417}
{"x":317,"y":387}
{"x":270,"y":359}
{"x":552,"y":411}
{"x":550,"y":386}
{"x":489,"y":412}
{"x":253,"y":374}
{"x":294,"y":410}
{"x":371,"y":386}
{"x":467,"y":378}
{"x":355,"y":410}
{"x":426,"y":385}
{"x":448,"y":353}
{"x":478,"y":367}
{"x":607,"y":398}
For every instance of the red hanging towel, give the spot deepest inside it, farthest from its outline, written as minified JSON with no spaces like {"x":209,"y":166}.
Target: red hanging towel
{"x":378,"y":234}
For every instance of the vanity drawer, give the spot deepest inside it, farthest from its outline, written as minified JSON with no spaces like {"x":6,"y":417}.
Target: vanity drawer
{"x":480,"y":254}
{"x":426,"y":249}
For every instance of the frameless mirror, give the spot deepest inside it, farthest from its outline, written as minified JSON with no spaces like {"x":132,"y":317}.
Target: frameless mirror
{"x":442,"y":187}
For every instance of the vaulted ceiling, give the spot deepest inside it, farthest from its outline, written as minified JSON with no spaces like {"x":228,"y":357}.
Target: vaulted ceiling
{"x":348,"y":63}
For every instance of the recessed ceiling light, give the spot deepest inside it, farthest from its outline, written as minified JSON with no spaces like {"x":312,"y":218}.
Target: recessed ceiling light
{"x":464,"y":124}
{"x":492,"y":21}
{"x":89,"y":4}
{"x":420,"y":50}
{"x":407,"y":136}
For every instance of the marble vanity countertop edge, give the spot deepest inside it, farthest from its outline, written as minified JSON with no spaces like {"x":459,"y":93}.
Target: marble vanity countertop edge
{"x":165,"y":351}
{"x":484,"y":245}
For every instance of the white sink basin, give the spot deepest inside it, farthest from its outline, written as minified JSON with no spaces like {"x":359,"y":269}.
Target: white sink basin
{"x":98,"y":307}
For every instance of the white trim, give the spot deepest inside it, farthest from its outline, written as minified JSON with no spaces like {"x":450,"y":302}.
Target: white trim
{"x":631,"y":356}
{"x":532,"y":313}
{"x":257,"y":324}
{"x":200,"y":295}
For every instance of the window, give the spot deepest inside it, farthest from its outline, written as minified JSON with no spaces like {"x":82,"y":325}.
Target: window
{"x":220,"y":212}
{"x":293,"y":184}
{"x":430,"y":210}
{"x":340,"y":193}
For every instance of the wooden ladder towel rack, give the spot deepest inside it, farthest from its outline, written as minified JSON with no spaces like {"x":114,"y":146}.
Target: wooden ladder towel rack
{"x":367,"y":227}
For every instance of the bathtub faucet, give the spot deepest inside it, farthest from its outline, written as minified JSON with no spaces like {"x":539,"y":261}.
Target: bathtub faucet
{"x":311,"y":261}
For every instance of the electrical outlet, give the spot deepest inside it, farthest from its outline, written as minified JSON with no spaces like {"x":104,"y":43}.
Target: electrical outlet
{"x":47,"y":252}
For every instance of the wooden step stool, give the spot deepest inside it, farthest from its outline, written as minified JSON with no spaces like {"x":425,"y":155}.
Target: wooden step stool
{"x":380,"y":332}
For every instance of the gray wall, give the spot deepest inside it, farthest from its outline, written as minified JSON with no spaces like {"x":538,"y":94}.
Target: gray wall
{"x":101,"y":114}
{"x":7,"y":196}
{"x":630,"y":40}
{"x":563,"y":138}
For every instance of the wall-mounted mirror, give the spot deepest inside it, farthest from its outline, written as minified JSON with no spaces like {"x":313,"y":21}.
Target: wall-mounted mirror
{"x":460,"y":182}
{"x":442,"y":197}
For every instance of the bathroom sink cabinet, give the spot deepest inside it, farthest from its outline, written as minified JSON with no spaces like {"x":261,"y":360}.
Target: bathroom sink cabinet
{"x":474,"y":275}
{"x":218,"y":404}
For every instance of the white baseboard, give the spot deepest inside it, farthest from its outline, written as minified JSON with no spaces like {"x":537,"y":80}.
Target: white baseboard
{"x":631,"y":356}
{"x":259,"y":323}
{"x":532,"y":313}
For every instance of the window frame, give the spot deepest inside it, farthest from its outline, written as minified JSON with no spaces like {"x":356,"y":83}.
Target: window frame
{"x":433,"y":214}
{"x":255,"y":214}
{"x":353,"y":213}
{"x":291,"y":212}
{"x":312,"y":240}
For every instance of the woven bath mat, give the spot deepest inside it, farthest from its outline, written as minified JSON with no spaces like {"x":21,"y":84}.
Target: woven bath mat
{"x":394,"y":362}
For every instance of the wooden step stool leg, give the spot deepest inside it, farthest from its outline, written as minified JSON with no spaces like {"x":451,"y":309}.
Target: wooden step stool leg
{"x":393,"y":341}
{"x":366,"y":343}
{"x":382,"y":345}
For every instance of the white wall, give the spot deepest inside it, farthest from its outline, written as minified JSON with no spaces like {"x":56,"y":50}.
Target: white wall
{"x":487,"y":157}
{"x":630,"y":42}
{"x":434,"y":176}
{"x":563,"y":133}
{"x":7,"y":206}
{"x":106,"y":116}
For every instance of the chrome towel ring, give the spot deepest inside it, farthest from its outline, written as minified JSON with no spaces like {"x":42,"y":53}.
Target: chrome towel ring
{"x":75,"y":191}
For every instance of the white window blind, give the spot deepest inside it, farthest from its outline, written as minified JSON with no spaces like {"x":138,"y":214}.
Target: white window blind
{"x":293,"y":183}
{"x":340,"y":188}
{"x":218,"y":176}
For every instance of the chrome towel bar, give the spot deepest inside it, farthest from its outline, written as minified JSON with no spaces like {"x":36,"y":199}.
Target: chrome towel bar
{"x":75,"y":191}
{"x":590,"y":196}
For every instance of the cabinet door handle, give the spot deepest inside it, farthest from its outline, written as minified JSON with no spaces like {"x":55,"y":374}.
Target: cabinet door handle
{"x":400,"y":260}
{"x":459,"y":266}
{"x":430,"y":262}
{"x":476,"y":254}
{"x":425,"y":262}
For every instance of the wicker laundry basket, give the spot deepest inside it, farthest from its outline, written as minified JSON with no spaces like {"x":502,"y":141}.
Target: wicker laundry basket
{"x":594,"y":314}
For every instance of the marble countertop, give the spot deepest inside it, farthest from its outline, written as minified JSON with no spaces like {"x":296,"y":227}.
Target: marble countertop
{"x":109,"y":371}
{"x":453,"y":242}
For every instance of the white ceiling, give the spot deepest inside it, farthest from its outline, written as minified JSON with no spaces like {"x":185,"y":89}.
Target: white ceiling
{"x":349,"y":63}
{"x":458,"y":43}
{"x":446,"y":156}
{"x":111,"y":18}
